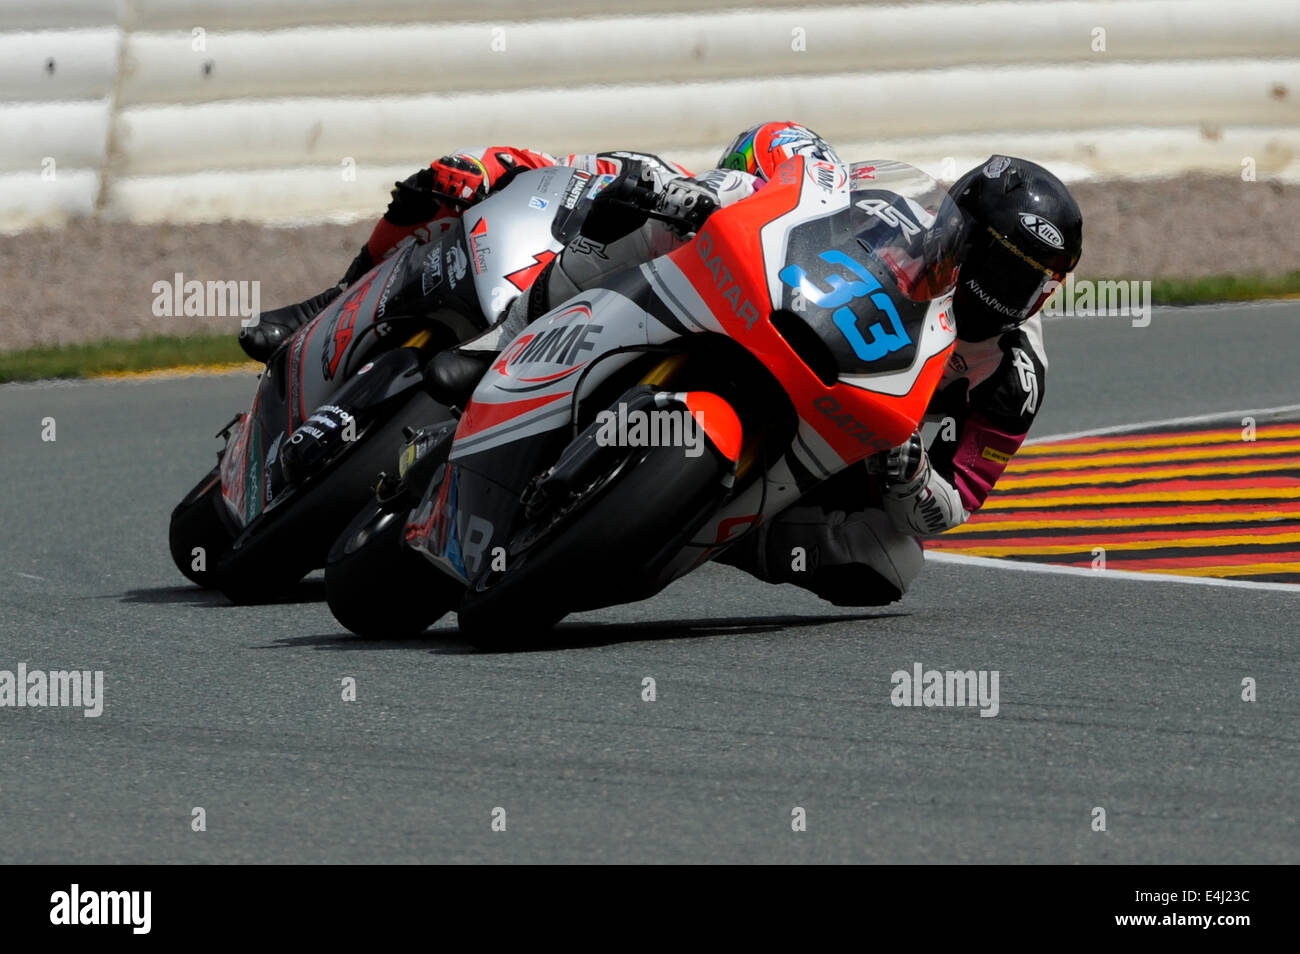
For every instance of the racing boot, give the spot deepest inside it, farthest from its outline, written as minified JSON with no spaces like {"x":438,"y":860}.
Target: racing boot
{"x":454,"y":373}
{"x":848,"y":559}
{"x":274,"y":327}
{"x":260,"y":340}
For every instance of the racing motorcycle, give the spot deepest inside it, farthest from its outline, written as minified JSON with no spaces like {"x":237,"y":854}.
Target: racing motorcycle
{"x":797,"y":332}
{"x":332,"y":404}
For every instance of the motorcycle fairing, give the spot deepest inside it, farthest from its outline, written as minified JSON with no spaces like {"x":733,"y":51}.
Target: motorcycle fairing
{"x":715,"y":283}
{"x":502,"y":269}
{"x":436,"y":279}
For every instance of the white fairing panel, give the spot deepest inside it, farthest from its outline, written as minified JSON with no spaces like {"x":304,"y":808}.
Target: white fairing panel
{"x":530,"y":388}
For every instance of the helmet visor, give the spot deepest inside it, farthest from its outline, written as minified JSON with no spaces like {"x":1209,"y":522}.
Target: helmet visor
{"x":1005,"y":280}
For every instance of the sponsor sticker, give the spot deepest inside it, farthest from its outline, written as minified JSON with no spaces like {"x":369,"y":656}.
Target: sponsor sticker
{"x":573,"y":191}
{"x":456,"y":265}
{"x":478,"y":245}
{"x":993,"y":454}
{"x":829,"y":175}
{"x":586,"y":246}
{"x":601,"y":181}
{"x":339,"y":334}
{"x":996,"y":166}
{"x":1043,"y":230}
{"x":431,"y":274}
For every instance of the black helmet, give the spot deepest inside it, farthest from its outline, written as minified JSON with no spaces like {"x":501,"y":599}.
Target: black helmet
{"x":1023,"y":231}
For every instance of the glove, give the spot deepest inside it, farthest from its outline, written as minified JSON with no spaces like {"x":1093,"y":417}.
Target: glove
{"x":917,"y":499}
{"x":451,"y":181}
{"x":457,"y":178}
{"x":901,"y":464}
{"x":689,"y":202}
{"x":620,"y":208}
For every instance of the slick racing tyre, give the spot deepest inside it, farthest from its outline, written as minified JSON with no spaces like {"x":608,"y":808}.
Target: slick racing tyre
{"x":377,"y":586}
{"x":603,"y":550}
{"x":198,"y":536}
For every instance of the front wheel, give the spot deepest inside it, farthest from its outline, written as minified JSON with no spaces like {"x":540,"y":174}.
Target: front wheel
{"x":377,"y":586}
{"x":197,"y":536}
{"x":606,"y":551}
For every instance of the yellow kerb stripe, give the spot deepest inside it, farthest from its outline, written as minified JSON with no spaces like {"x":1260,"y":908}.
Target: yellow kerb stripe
{"x":1244,"y":569}
{"x":183,"y":371}
{"x":1047,"y":501}
{"x":1066,"y":523}
{"x":1233,"y":435}
{"x":1013,"y":483}
{"x":1117,"y":460}
{"x":1087,"y":543}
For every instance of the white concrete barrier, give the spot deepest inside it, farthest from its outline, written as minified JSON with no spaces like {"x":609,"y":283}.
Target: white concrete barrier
{"x":58,"y":14}
{"x":282,"y":132}
{"x":32,"y":200}
{"x":58,"y":65}
{"x":293,"y":195}
{"x":205,"y":109}
{"x":434,"y":57}
{"x":71,"y":134}
{"x":272,"y":14}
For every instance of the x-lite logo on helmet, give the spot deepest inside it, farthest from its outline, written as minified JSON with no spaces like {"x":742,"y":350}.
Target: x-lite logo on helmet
{"x":1043,"y":230}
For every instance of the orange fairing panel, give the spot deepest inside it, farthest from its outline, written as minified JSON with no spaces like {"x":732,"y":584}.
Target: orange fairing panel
{"x":719,"y":421}
{"x":725,"y":264}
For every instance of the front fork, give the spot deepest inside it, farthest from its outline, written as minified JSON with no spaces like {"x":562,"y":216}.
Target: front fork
{"x":668,"y":372}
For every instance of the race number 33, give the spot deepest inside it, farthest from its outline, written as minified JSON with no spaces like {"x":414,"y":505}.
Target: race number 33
{"x":843,"y":290}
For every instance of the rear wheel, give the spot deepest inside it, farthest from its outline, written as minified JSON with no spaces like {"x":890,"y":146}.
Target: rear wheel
{"x":197,"y":536}
{"x":291,"y":544}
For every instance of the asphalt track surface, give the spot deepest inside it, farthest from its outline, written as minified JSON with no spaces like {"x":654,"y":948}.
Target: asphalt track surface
{"x":1114,"y":693}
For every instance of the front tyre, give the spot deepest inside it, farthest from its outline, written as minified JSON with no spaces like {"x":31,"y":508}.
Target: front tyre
{"x":377,"y":586}
{"x":197,"y":536}
{"x":606,"y":552}
{"x":283,"y":550}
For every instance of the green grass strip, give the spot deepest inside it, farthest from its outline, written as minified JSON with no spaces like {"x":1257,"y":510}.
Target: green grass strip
{"x":105,"y":357}
{"x":1219,"y":288}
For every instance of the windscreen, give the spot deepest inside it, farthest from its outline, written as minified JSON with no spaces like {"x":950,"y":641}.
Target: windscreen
{"x":907,"y":221}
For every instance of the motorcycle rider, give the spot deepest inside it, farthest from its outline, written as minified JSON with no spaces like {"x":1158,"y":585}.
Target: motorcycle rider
{"x":616,"y":237}
{"x":428,"y":201}
{"x":1023,"y":233}
{"x":860,"y":537}
{"x":424,"y":205}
